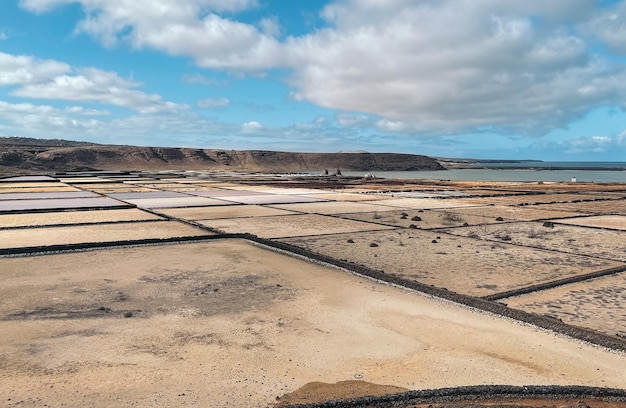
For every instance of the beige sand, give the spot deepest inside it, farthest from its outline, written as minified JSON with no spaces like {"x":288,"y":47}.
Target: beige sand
{"x":600,"y":221}
{"x":563,"y":238}
{"x":593,"y":207}
{"x":464,"y":265}
{"x":76,"y":234}
{"x":274,"y":324}
{"x":428,"y":203}
{"x":527,"y":213}
{"x":74,"y":217}
{"x":334,"y":207}
{"x":598,"y":304}
{"x":291,"y":225}
{"x":422,"y":219}
{"x":534,"y":199}
{"x":227,"y":211}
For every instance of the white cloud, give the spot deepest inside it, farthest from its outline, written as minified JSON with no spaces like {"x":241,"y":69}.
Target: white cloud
{"x":453,"y":66}
{"x":351,"y":119}
{"x":199,"y":79}
{"x":609,"y":26}
{"x":25,"y":69}
{"x":49,"y":79}
{"x":251,"y":127}
{"x":213,"y":103}
{"x":432,"y":66}
{"x":184,"y":27}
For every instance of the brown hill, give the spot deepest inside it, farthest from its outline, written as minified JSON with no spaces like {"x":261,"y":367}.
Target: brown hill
{"x":20,"y":155}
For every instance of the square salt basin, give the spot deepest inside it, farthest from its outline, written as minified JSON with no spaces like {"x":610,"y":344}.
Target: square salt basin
{"x":290,"y":225}
{"x":426,"y":203}
{"x":294,"y":191}
{"x":146,"y":195}
{"x":594,"y":207}
{"x":346,"y":196}
{"x":94,"y":233}
{"x":606,"y":244}
{"x":219,"y":193}
{"x":332,"y":207}
{"x":421,"y":219}
{"x":74,"y":217}
{"x":28,"y":179}
{"x":272,"y":199}
{"x":175,"y":202}
{"x":86,"y":180}
{"x":532,"y":199}
{"x":59,"y":204}
{"x":125,"y":189}
{"x":31,"y":185}
{"x":60,"y":187}
{"x":230,"y":333}
{"x":229,"y":211}
{"x":526,"y":213}
{"x":597,"y":304}
{"x":599,"y":221}
{"x":46,"y":195}
{"x":464,"y":265}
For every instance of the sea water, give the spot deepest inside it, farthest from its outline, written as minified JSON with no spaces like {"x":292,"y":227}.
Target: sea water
{"x":521,"y":171}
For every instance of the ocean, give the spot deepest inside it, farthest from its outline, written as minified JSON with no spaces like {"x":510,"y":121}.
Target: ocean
{"x":614,"y":172}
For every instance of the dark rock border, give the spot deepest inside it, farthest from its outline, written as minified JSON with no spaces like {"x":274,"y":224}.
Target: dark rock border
{"x":472,"y":396}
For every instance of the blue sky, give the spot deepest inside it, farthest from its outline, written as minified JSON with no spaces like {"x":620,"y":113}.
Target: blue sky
{"x":451,"y":78}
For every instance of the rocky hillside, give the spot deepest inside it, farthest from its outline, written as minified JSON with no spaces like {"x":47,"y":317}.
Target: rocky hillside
{"x":20,"y":155}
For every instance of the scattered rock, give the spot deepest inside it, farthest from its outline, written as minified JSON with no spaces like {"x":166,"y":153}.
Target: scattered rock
{"x":416,"y":218}
{"x":548,"y":224}
{"x":350,"y":241}
{"x":499,"y":219}
{"x":128,"y":314}
{"x":373,"y":245}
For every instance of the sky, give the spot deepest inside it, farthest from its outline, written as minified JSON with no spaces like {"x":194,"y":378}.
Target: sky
{"x":514,"y":79}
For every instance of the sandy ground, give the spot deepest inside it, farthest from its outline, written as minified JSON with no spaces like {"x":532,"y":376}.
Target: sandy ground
{"x":291,"y":225}
{"x":422,"y":219}
{"x":606,"y":244}
{"x":593,"y":207}
{"x":76,"y":234}
{"x":514,"y":213}
{"x":228,"y":323}
{"x":599,"y":304}
{"x":334,"y":207}
{"x":600,"y":221}
{"x":246,"y":327}
{"x":74,"y":217}
{"x":464,"y":265}
{"x":228,"y":211}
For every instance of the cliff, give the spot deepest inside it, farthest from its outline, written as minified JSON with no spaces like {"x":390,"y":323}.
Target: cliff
{"x":49,"y":155}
